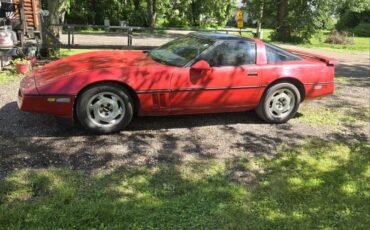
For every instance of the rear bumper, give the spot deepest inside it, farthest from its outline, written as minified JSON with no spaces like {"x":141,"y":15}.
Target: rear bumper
{"x":57,"y":105}
{"x":319,"y":89}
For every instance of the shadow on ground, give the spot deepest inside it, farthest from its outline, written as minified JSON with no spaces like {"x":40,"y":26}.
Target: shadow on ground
{"x":353,"y":71}
{"x":308,"y":187}
{"x":34,"y":141}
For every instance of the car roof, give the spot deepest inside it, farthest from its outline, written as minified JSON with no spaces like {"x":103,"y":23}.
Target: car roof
{"x":220,"y":36}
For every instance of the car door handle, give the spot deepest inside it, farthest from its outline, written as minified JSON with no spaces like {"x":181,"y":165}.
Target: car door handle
{"x":252,"y":73}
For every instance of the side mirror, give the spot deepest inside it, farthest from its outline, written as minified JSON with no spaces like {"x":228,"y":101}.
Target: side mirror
{"x":201,"y":65}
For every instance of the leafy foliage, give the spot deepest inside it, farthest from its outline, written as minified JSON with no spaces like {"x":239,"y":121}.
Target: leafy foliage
{"x":174,"y":12}
{"x":362,"y":29}
{"x":299,"y":21}
{"x":292,"y":20}
{"x":302,"y":20}
{"x":355,"y":22}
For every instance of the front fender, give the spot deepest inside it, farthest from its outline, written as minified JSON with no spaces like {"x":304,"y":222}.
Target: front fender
{"x":73,"y":84}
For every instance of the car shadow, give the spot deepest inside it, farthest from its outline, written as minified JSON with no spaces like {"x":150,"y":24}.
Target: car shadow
{"x":21,"y":124}
{"x":191,"y":121}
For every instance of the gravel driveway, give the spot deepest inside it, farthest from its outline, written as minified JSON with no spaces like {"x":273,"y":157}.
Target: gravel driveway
{"x":36,"y":141}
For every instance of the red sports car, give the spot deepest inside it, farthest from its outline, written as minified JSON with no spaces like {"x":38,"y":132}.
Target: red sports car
{"x":198,"y":73}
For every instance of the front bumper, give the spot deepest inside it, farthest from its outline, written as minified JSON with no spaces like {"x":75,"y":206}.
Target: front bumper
{"x":57,"y":105}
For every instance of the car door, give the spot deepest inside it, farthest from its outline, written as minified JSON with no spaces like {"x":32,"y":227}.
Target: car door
{"x":232,"y":83}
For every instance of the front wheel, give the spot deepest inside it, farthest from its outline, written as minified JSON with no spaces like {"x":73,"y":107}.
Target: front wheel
{"x":279,"y":103}
{"x":105,"y":108}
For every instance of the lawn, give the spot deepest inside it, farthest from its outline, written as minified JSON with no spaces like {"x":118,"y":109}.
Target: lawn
{"x":360,"y":43}
{"x":317,"y":184}
{"x":70,"y":52}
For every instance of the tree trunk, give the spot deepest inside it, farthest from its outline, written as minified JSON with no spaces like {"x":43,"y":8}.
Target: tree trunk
{"x":137,"y":5}
{"x":93,"y":7}
{"x":193,"y":14}
{"x":283,"y":31}
{"x":57,"y":10}
{"x":260,"y":17}
{"x":152,"y":12}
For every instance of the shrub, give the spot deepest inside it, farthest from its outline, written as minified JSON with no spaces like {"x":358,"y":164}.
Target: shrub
{"x":348,"y":20}
{"x":336,"y":37}
{"x":362,"y":29}
{"x":137,"y":18}
{"x":176,"y":21}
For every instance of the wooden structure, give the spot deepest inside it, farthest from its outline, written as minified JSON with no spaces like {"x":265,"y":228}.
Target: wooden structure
{"x":31,"y":12}
{"x":23,"y":17}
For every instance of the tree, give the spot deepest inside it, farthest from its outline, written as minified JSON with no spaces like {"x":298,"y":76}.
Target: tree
{"x":357,"y":6}
{"x":261,"y":12}
{"x":282,"y":29}
{"x":57,"y":10}
{"x":152,"y":12}
{"x":354,"y":17}
{"x":260,"y":17}
{"x":298,"y":21}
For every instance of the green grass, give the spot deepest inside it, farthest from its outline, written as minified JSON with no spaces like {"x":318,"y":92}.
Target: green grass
{"x":7,"y":76}
{"x":360,"y":43}
{"x":316,"y":185}
{"x":70,"y":52}
{"x":317,"y":41}
{"x":319,"y":115}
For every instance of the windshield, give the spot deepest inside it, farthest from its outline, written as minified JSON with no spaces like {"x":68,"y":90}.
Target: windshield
{"x":181,"y":51}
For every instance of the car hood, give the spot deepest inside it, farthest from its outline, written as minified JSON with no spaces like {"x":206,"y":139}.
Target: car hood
{"x":89,"y":62}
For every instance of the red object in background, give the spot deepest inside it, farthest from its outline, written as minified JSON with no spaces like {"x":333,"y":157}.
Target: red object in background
{"x":161,"y":89}
{"x":22,"y":68}
{"x":33,"y":61}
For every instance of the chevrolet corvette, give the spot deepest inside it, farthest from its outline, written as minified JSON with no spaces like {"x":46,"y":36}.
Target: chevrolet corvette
{"x":197,"y":73}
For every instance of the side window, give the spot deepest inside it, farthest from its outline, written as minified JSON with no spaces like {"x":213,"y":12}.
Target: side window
{"x":234,"y":53}
{"x":276,"y":55}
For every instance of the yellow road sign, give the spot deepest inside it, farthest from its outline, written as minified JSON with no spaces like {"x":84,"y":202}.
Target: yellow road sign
{"x":240,"y":15}
{"x":240,"y":24}
{"x":240,"y":19}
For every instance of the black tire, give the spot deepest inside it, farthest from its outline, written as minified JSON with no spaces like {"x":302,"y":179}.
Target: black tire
{"x":124,"y":102}
{"x":264,"y":108}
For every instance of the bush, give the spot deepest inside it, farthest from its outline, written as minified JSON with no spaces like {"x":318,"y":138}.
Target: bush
{"x":362,"y":29}
{"x":358,"y":23}
{"x":176,"y":21}
{"x":336,"y":37}
{"x":348,"y":20}
{"x":137,"y":18}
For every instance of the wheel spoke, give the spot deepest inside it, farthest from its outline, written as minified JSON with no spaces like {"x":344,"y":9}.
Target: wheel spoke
{"x":106,"y":109}
{"x":281,"y":103}
{"x":277,"y":111}
{"x":115,"y":99}
{"x":286,"y":109}
{"x":106,"y":119}
{"x":96,"y":112}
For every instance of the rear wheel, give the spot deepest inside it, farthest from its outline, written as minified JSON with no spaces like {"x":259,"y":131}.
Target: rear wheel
{"x":279,"y":103}
{"x":105,"y":108}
